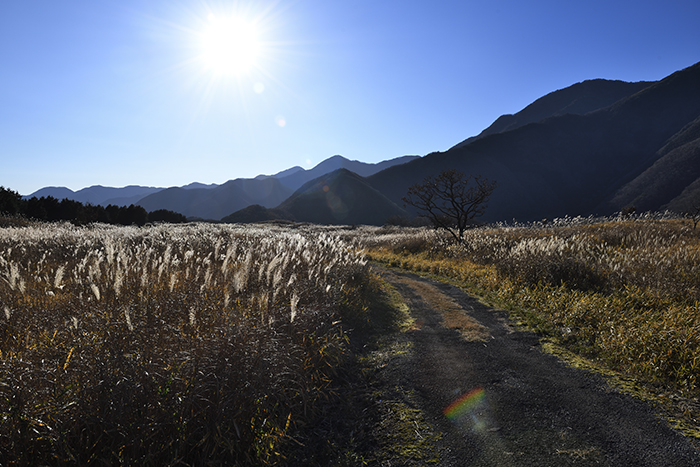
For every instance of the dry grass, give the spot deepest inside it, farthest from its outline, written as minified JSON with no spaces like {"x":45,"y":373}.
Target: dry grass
{"x":193,"y":344}
{"x":623,"y":291}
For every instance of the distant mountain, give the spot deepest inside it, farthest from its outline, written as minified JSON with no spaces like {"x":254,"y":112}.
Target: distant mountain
{"x":215,"y":203}
{"x":283,"y":173}
{"x":299,"y":176}
{"x":58,"y":192}
{"x":199,"y":185}
{"x":198,"y":200}
{"x":578,"y":99}
{"x":340,"y":197}
{"x":574,"y":164}
{"x":256,"y":213}
{"x":98,"y":195}
{"x":593,"y":148}
{"x":265,"y":190}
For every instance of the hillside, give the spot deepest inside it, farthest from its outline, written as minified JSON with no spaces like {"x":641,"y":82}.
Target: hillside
{"x":568,"y":164}
{"x":215,"y":203}
{"x":211,"y":201}
{"x":295,"y":177}
{"x":578,"y":99}
{"x":256,"y":213}
{"x":340,"y":197}
{"x":671,"y":182}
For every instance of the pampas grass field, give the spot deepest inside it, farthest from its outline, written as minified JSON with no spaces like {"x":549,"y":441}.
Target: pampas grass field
{"x":194,"y":344}
{"x":203,"y":344}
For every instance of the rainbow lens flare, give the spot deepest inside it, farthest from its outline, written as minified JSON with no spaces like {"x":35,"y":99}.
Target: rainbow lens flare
{"x":466,"y":404}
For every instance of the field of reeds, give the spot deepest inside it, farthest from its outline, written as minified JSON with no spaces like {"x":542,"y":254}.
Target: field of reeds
{"x":164,"y":345}
{"x":625,"y":292}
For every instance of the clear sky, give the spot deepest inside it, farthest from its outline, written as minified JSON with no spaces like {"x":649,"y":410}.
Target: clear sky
{"x":136,"y":92}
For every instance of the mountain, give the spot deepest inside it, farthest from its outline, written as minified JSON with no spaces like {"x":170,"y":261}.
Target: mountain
{"x":256,"y":213}
{"x":58,"y":192}
{"x":264,"y":190}
{"x":215,"y":203}
{"x":199,"y":185}
{"x":283,"y":173}
{"x":295,"y":177}
{"x":595,"y":147}
{"x":672,"y":182}
{"x":98,"y":195}
{"x":197,"y":200}
{"x":340,"y":197}
{"x":571,"y":164}
{"x":578,"y":99}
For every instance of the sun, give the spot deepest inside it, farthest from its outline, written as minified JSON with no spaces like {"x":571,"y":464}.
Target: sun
{"x":230,"y":45}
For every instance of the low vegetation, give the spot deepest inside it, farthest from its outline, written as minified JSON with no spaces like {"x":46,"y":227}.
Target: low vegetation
{"x":192,"y":344}
{"x":624,"y":292}
{"x":202,"y":344}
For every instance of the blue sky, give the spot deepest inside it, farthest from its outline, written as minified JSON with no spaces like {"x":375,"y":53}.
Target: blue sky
{"x":116,"y":93}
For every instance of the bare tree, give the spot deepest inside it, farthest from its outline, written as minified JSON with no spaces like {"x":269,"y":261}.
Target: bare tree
{"x":450,"y":200}
{"x":694,"y":215}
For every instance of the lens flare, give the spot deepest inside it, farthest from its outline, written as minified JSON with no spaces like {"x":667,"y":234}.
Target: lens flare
{"x":471,"y":411}
{"x":465,"y":404}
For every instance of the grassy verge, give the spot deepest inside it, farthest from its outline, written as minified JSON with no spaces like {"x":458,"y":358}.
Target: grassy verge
{"x":369,"y":418}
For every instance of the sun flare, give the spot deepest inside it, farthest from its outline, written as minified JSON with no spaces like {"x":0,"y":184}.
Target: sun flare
{"x":230,"y":45}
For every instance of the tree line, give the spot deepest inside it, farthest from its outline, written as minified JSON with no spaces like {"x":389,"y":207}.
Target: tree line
{"x":48,"y":208}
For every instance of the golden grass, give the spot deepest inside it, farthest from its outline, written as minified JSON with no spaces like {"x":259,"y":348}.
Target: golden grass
{"x":168,"y":344}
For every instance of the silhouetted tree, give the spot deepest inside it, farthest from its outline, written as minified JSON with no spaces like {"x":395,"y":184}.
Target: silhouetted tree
{"x":450,"y":200}
{"x":694,"y":215}
{"x":34,"y":209}
{"x":48,"y":208}
{"x":10,"y":201}
{"x":164,"y":215}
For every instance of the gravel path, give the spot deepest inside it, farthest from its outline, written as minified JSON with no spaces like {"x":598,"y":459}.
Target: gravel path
{"x":519,"y":405}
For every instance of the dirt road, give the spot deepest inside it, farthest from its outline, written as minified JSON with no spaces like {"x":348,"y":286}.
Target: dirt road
{"x":493,"y":397}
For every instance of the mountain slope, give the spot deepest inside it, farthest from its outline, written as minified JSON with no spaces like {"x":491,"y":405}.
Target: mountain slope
{"x":297,"y":178}
{"x":340,"y":197}
{"x":578,"y":99}
{"x":215,"y":203}
{"x":256,"y":213}
{"x":665,"y":185}
{"x":570,"y":164}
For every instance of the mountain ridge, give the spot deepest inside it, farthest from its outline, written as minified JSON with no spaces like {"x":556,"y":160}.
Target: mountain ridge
{"x":200,"y":201}
{"x":579,"y":99}
{"x":568,"y":164}
{"x":596,"y":147}
{"x":338,"y":197}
